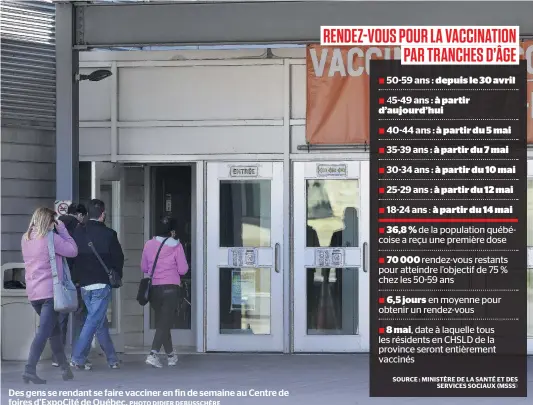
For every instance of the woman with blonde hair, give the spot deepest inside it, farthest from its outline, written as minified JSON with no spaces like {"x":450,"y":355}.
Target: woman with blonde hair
{"x":40,"y":290}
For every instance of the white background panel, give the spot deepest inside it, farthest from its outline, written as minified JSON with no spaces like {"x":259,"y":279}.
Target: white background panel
{"x":95,"y":141}
{"x":200,"y":140}
{"x":95,"y":98}
{"x":298,"y":91}
{"x":201,"y":93}
{"x":297,"y":137}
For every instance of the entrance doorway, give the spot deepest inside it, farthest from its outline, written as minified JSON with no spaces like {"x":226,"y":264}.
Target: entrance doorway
{"x":173,"y":194}
{"x":331,"y":279}
{"x":244,"y":256}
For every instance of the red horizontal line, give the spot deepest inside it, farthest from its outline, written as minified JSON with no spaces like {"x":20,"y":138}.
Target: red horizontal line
{"x":448,"y":220}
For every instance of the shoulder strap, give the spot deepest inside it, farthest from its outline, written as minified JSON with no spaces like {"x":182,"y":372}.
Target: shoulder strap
{"x":157,"y":257}
{"x":52,"y":256}
{"x":91,"y":245}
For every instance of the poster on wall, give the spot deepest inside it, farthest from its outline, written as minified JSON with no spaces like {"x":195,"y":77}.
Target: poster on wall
{"x":338,"y":90}
{"x":242,"y":290}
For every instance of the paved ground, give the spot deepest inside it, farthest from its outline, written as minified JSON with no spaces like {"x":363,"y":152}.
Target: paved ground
{"x":310,"y":379}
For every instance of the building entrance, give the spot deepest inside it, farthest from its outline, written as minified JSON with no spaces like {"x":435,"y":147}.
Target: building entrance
{"x":244,"y":256}
{"x":172,"y":192}
{"x":331,"y":279}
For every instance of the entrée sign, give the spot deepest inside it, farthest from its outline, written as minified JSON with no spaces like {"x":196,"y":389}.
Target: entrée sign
{"x":244,"y":171}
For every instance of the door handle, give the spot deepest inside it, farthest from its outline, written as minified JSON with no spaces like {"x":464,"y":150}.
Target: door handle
{"x":277,"y":256}
{"x":365,"y":245}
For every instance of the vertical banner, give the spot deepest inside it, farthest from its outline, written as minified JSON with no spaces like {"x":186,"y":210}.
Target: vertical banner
{"x":338,"y":90}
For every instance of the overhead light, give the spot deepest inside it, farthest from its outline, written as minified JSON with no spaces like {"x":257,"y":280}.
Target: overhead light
{"x":96,"y":76}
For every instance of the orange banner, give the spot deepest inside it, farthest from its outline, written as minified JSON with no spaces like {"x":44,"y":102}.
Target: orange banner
{"x":338,"y":88}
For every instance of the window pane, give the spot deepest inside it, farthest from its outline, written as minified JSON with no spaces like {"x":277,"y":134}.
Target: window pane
{"x":245,"y":301}
{"x":332,"y":221}
{"x":245,"y":213}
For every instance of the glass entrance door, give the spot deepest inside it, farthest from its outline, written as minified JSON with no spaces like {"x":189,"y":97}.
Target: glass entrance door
{"x":173,"y":194}
{"x":331,"y":279}
{"x":244,"y":256}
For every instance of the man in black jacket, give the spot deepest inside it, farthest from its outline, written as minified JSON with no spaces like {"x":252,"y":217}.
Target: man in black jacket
{"x":94,"y":282}
{"x":74,"y":217}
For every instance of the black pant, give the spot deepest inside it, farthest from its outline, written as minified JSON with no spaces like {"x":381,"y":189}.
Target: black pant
{"x":164,"y":300}
{"x":48,"y":329}
{"x":78,"y":319}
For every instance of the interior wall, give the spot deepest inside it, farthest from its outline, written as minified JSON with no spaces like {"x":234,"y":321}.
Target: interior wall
{"x":133,"y":225}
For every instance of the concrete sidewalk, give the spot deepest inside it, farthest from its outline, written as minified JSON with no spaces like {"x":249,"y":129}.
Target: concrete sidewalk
{"x":310,"y":379}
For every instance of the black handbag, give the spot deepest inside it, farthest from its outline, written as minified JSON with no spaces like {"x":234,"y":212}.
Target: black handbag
{"x":143,"y":294}
{"x":114,"y":278}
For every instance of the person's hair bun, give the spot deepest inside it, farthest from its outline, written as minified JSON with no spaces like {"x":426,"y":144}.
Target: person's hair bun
{"x":169,"y":224}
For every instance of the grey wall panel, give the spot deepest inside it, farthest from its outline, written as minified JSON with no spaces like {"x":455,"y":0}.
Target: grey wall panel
{"x":27,"y":170}
{"x":27,"y":153}
{"x":132,"y":243}
{"x":15,"y":223}
{"x":27,"y":105}
{"x":27,"y":35}
{"x":28,"y":182}
{"x":28,"y":188}
{"x":23,"y":206}
{"x":28,"y":136}
{"x":200,"y":140}
{"x":277,"y":22}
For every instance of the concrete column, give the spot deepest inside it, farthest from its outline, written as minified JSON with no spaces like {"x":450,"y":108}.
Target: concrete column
{"x":67,"y":113}
{"x":67,"y":105}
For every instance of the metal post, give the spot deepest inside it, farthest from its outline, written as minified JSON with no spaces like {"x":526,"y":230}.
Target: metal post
{"x":67,"y":104}
{"x":67,"y":119}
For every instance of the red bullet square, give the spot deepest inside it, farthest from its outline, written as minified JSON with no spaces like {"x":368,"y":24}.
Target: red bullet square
{"x":381,"y":131}
{"x":382,"y":210}
{"x":381,"y":150}
{"x":381,"y":101}
{"x":381,"y":260}
{"x":381,"y":170}
{"x":382,"y":301}
{"x":381,"y":230}
{"x":381,"y":80}
{"x":381,"y":331}
{"x":381,"y":190}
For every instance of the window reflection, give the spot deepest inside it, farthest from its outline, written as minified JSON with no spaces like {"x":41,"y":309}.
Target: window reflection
{"x":332,"y":221}
{"x":245,"y":213}
{"x":245,"y":221}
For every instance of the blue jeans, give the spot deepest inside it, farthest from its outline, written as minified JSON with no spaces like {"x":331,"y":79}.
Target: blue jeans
{"x":96,"y":302}
{"x":48,"y":329}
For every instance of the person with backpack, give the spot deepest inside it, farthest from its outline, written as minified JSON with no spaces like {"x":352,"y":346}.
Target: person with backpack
{"x":163,"y":257}
{"x":97,"y":268}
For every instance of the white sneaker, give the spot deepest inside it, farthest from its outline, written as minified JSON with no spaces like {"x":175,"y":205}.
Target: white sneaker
{"x":172,"y":359}
{"x":153,"y":360}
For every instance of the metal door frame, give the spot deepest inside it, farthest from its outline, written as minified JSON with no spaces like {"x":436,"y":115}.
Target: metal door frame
{"x":195,"y":336}
{"x":302,"y":342}
{"x":215,"y":341}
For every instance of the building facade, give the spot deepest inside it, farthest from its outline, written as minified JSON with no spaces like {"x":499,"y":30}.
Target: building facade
{"x":217,"y":139}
